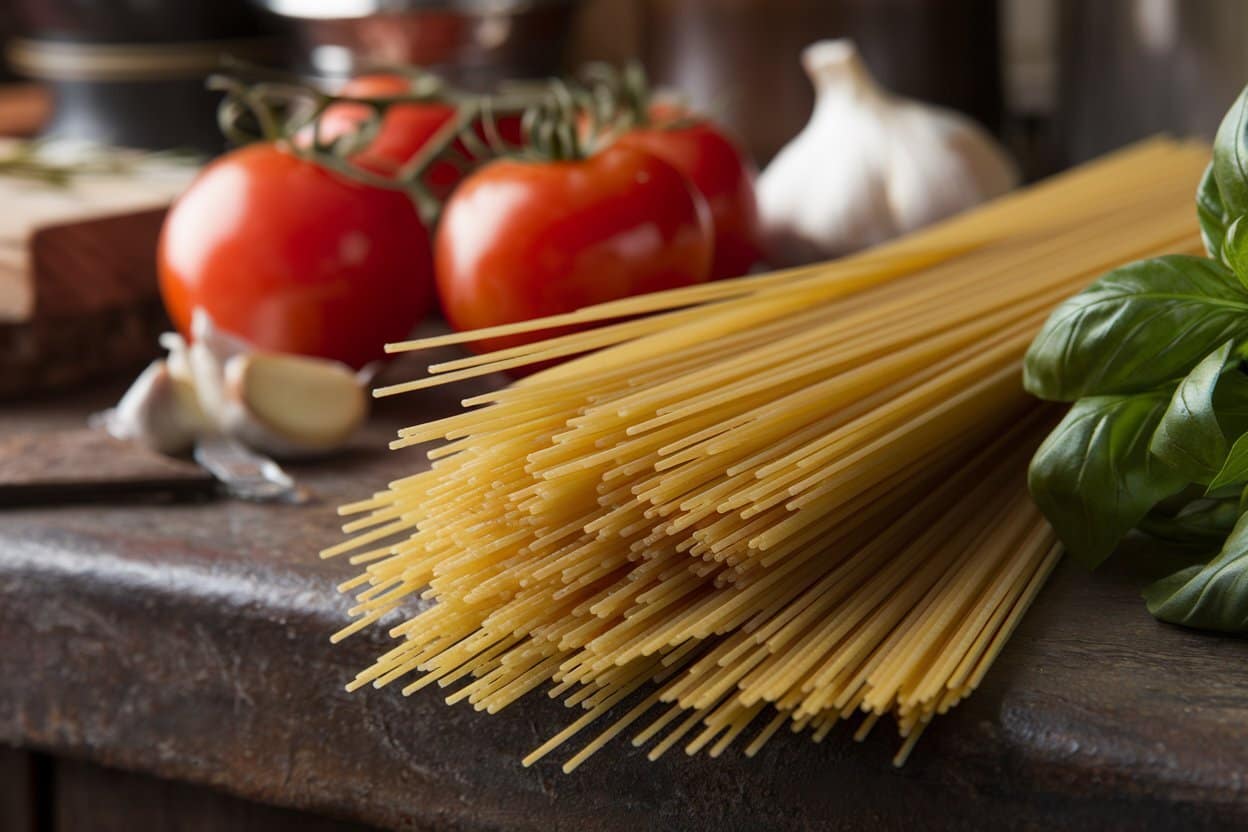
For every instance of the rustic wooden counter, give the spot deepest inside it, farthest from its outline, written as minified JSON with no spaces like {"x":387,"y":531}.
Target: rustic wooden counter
{"x":190,"y":641}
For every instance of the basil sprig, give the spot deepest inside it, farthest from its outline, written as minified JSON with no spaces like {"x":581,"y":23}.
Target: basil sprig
{"x":1152,"y":357}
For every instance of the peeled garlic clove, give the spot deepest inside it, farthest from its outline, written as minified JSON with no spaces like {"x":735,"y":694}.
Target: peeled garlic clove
{"x":159,"y":410}
{"x":290,"y":406}
{"x":870,"y":165}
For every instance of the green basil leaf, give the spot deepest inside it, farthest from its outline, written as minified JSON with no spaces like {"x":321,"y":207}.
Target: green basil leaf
{"x":1235,"y":249}
{"x":1234,"y":469}
{"x":1230,"y":157}
{"x":1211,"y":213}
{"x":1230,"y":400}
{"x":1200,"y":522}
{"x":1188,"y":437}
{"x":1224,"y":492}
{"x":1094,"y":478}
{"x":1138,"y":327}
{"x":1209,"y":597}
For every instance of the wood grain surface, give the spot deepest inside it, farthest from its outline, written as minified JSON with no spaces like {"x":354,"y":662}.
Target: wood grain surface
{"x":190,"y":641}
{"x":78,"y":294}
{"x":75,"y":464}
{"x":17,"y":791}
{"x":87,"y":798}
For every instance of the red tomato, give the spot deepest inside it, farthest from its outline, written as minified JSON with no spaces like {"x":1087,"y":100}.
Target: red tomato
{"x":520,"y":240}
{"x":404,"y":129}
{"x":295,"y":258}
{"x":722,"y":174}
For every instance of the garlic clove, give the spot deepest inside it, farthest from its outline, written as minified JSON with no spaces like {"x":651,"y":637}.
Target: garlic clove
{"x":290,"y":406}
{"x":870,"y":165}
{"x":159,"y":410}
{"x":284,"y":405}
{"x":206,"y":358}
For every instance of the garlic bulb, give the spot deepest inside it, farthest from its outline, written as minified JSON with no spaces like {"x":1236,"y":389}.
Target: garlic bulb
{"x":284,"y":405}
{"x":870,"y":165}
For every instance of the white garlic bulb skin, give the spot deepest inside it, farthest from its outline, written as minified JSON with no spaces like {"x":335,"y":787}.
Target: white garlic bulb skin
{"x":159,"y":410}
{"x":870,"y":165}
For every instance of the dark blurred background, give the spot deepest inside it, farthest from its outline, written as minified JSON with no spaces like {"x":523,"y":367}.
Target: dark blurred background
{"x":1060,"y":80}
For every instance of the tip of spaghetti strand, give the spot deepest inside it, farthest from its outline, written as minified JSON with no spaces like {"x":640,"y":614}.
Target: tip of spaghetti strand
{"x":498,"y":331}
{"x":405,"y":387}
{"x":360,"y":506}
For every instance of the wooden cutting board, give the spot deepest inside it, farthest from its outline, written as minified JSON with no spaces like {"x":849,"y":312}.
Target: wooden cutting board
{"x":68,"y":466}
{"x":78,"y":293}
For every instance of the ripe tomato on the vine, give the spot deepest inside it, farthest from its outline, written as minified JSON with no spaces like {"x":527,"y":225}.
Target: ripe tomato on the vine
{"x":404,"y":130}
{"x":296,"y":258}
{"x":721,"y":172}
{"x":525,"y":239}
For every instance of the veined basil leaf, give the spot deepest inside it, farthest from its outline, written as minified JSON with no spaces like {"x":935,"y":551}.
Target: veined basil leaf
{"x":1188,"y":437}
{"x":1230,"y":157}
{"x":1230,"y":399}
{"x":1199,"y":523}
{"x":1210,"y":597}
{"x":1235,"y":249}
{"x":1211,"y":213}
{"x":1094,"y":478}
{"x":1230,"y":402}
{"x":1138,"y":327}
{"x":1234,"y":469}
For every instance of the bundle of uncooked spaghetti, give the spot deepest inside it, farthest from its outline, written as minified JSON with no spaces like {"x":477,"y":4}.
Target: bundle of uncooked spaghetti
{"x":788,"y":498}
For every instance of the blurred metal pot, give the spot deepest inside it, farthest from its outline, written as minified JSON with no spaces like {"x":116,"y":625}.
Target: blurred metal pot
{"x":131,"y":72}
{"x":474,"y":43}
{"x":1131,"y":68}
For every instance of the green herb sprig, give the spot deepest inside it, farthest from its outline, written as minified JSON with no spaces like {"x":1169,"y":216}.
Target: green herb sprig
{"x":59,"y":164}
{"x":1152,"y":356}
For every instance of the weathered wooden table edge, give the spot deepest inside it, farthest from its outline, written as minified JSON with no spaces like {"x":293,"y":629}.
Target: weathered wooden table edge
{"x":191,"y":642}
